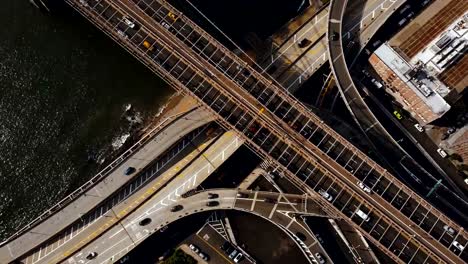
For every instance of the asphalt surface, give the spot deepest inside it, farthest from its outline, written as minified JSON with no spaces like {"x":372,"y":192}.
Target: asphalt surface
{"x":106,"y":187}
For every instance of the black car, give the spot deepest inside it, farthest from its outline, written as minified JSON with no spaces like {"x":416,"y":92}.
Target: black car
{"x":334,"y":36}
{"x":212,"y":195}
{"x":129,"y":170}
{"x":145,"y":221}
{"x":270,"y":200}
{"x":176,"y":208}
{"x":226,"y":245}
{"x":91,"y":255}
{"x":212,"y":203}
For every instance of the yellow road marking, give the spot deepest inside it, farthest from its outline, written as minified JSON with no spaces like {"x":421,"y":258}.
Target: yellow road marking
{"x":137,"y":201}
{"x":215,"y":249}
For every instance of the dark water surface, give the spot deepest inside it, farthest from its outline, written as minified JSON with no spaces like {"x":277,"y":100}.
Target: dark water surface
{"x":63,"y":90}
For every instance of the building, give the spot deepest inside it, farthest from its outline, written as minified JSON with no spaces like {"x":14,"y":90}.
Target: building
{"x":425,"y":65}
{"x":413,"y":87}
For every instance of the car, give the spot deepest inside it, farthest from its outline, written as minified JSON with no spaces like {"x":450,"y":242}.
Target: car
{"x":334,"y":36}
{"x":364,"y":187}
{"x":301,"y":236}
{"x":225,"y":246}
{"x":176,"y":208}
{"x":172,"y":16}
{"x":238,"y":257}
{"x":233,"y":254}
{"x":129,"y":23}
{"x":451,"y":130}
{"x":129,"y":170}
{"x":319,"y":238}
{"x":212,"y":195}
{"x":204,"y":256}
{"x":466,"y":181}
{"x":449,"y":230}
{"x":212,"y":203}
{"x":91,"y":255}
{"x":145,"y":221}
{"x":194,"y":248}
{"x":442,"y":153}
{"x":242,"y":195}
{"x":270,"y":200}
{"x":419,"y":127}
{"x":122,"y":34}
{"x":397,"y":115}
{"x":458,"y":245}
{"x":165,"y":25}
{"x":147,"y":45}
{"x":319,"y":258}
{"x":377,"y":83}
{"x":84,"y":3}
{"x":363,"y":215}
{"x":326,"y":195}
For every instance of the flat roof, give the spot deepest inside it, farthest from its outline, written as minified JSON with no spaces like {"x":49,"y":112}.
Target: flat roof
{"x":422,"y":84}
{"x":428,"y":26}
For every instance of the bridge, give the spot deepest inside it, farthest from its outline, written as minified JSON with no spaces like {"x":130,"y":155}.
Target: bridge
{"x":280,"y":129}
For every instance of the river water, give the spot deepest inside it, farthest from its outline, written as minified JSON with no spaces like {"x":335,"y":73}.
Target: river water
{"x":63,"y":90}
{"x":64,"y":87}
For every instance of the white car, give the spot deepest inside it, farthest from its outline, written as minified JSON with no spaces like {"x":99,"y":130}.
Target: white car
{"x":194,"y":248}
{"x":458,"y":245}
{"x":319,"y":258}
{"x":466,"y":180}
{"x":84,"y":3}
{"x":442,"y":153}
{"x":238,"y":257}
{"x":449,"y":230}
{"x":122,"y":34}
{"x":326,"y":195}
{"x":419,"y":127}
{"x":165,"y":25}
{"x":129,"y":23}
{"x":364,"y":187}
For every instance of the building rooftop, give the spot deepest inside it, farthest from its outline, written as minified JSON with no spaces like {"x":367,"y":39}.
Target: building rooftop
{"x":437,"y":40}
{"x":428,"y":26}
{"x":428,"y":88}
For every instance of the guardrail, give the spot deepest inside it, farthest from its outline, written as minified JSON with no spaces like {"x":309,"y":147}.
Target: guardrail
{"x":97,"y":178}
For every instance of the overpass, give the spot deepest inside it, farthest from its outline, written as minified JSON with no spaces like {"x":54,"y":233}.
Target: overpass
{"x":280,"y":129}
{"x":149,"y":156}
{"x":295,"y":62}
{"x":284,"y":213}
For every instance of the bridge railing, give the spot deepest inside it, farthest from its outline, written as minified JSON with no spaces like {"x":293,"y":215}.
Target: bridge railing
{"x":97,"y":178}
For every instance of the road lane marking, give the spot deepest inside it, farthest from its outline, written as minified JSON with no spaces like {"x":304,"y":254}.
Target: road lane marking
{"x":215,"y":249}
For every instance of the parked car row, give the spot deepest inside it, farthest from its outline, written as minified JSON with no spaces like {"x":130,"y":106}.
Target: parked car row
{"x":232,"y":252}
{"x":197,"y":251}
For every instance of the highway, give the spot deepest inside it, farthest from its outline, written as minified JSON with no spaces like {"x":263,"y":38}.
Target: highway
{"x":295,"y":64}
{"x":279,"y":128}
{"x":142,"y":154}
{"x":172,"y":182}
{"x":129,"y":233}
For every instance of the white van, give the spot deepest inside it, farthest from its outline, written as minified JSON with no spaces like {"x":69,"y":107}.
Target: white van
{"x":363,"y":215}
